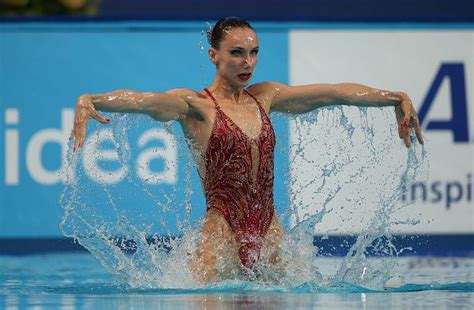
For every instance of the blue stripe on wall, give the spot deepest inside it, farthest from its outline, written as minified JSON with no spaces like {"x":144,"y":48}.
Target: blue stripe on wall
{"x":459,"y":245}
{"x":452,"y":245}
{"x":314,"y":10}
{"x":283,"y":10}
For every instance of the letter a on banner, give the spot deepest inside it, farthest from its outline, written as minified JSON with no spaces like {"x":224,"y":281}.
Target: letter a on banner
{"x":458,"y":122}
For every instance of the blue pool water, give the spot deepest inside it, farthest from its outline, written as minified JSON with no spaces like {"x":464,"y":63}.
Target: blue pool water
{"x":78,"y":281}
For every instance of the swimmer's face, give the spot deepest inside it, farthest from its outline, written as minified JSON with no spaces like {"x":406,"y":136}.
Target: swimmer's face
{"x":237,"y":56}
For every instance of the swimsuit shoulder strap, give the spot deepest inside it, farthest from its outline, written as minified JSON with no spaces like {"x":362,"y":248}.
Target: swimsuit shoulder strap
{"x":258,"y":103}
{"x":253,"y":97}
{"x":212,"y":97}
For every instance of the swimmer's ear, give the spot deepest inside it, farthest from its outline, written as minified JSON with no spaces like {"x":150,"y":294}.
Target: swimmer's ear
{"x":212,"y":55}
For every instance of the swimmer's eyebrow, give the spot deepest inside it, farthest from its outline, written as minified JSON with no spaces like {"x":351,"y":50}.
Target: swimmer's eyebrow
{"x":243,"y":48}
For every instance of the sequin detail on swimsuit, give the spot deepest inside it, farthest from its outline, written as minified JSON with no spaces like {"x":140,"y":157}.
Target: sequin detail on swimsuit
{"x":244,"y":198}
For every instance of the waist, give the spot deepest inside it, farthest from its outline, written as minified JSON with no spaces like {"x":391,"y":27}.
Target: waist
{"x":239,"y":191}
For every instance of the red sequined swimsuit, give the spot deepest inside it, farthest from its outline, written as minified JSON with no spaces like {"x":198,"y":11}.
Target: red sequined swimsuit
{"x":245,"y":201}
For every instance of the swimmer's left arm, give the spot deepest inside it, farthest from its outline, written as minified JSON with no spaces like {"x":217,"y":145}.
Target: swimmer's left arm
{"x":303,"y":99}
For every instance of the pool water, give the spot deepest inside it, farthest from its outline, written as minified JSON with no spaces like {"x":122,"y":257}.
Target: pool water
{"x":78,"y":281}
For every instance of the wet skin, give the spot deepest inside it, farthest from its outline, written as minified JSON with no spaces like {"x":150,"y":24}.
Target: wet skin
{"x":235,"y":60}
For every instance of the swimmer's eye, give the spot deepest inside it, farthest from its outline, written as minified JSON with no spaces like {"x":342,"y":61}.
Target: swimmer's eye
{"x":236,"y":53}
{"x":239,"y":52}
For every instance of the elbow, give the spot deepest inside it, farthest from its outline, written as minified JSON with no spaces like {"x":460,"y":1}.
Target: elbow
{"x":400,"y":97}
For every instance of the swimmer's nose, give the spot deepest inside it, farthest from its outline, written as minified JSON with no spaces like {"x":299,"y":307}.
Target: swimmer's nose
{"x":248,"y":60}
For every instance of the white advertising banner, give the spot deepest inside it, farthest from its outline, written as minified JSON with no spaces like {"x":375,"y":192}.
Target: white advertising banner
{"x":436,"y":68}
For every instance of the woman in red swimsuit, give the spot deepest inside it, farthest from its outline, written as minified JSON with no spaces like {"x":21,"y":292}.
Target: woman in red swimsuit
{"x":232,"y":139}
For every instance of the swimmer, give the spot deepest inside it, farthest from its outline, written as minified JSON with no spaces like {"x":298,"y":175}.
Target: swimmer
{"x":230,"y":134}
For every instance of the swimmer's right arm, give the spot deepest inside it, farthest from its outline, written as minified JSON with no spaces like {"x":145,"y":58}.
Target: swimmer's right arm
{"x":160,"y":106}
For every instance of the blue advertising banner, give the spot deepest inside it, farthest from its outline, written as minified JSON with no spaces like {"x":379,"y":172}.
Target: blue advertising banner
{"x":45,"y":66}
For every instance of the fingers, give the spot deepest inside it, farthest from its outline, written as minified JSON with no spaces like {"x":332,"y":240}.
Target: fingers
{"x":100,"y":118}
{"x":399,"y":116}
{"x":405,"y":133}
{"x":418,"y":135}
{"x":416,"y":126}
{"x":78,"y":133}
{"x":407,"y":120}
{"x":406,"y":136}
{"x":76,"y":145}
{"x":403,"y":121}
{"x":407,"y":127}
{"x":79,"y":143}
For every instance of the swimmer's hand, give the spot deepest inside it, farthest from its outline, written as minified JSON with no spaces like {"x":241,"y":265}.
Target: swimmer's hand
{"x":407,"y":119}
{"x":84,"y":111}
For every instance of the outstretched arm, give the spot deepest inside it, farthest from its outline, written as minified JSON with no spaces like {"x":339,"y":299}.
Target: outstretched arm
{"x":302,"y":99}
{"x":160,"y":106}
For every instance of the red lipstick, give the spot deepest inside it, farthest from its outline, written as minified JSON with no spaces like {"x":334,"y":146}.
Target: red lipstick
{"x":245,"y":76}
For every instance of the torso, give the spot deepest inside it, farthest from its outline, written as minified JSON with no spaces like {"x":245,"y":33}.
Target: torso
{"x":233,"y":145}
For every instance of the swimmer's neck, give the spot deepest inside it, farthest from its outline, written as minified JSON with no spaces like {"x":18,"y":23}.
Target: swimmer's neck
{"x":222,"y":89}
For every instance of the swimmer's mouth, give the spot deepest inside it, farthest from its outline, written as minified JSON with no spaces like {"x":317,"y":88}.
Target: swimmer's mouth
{"x":245,"y":76}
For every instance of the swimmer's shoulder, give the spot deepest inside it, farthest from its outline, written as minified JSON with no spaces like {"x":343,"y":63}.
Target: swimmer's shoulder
{"x":264,"y":87}
{"x":196,"y":100}
{"x":265,"y":92}
{"x":190,"y":96}
{"x":186,"y":93}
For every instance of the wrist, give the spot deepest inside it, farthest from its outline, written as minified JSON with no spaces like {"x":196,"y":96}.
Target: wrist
{"x":85,"y":100}
{"x":400,"y":97}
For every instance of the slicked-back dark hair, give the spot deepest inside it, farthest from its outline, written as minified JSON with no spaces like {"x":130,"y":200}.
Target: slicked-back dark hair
{"x":224,"y":25}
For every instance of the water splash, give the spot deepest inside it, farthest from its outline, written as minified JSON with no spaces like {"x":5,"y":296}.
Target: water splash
{"x":146,"y":234}
{"x":359,"y":171}
{"x":203,"y":44}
